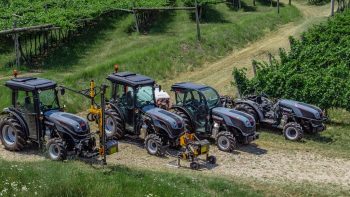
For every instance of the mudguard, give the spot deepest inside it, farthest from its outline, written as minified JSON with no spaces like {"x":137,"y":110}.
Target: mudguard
{"x":187,"y":112}
{"x":253,"y":105}
{"x":19,"y":117}
{"x":114,"y":106}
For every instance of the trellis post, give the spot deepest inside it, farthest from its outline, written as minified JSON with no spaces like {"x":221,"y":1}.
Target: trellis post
{"x":16,"y":40}
{"x":197,"y":21}
{"x":332,"y":7}
{"x":278,"y":6}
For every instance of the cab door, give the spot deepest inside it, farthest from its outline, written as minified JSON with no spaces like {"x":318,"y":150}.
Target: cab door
{"x":201,"y":111}
{"x":25,"y":102}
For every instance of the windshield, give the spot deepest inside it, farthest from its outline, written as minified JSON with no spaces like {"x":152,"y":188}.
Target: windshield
{"x":211,"y":96}
{"x":145,"y":96}
{"x":48,"y":100}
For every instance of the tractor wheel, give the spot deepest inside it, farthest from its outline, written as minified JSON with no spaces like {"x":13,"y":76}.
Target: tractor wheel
{"x":226,"y":141}
{"x":249,"y":110}
{"x":186,"y":120}
{"x":211,"y":159}
{"x":56,"y":149}
{"x":114,"y":124}
{"x":293,"y":131}
{"x":154,"y":145}
{"x":194,"y":165}
{"x":13,"y":136}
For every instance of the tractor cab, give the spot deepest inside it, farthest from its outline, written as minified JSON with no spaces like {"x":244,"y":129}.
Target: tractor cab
{"x":134,"y":94}
{"x":199,"y":100}
{"x":32,"y":99}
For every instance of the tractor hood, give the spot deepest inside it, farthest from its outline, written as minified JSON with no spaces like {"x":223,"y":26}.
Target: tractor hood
{"x":236,"y":117}
{"x":68,"y":121}
{"x":302,"y":110}
{"x":161,"y":116}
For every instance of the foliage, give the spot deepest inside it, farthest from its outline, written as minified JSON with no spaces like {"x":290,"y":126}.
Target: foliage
{"x":200,"y":2}
{"x":62,"y":13}
{"x":318,"y":2}
{"x":316,"y":70}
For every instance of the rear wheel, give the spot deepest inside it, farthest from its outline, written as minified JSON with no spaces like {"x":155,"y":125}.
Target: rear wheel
{"x":56,"y":149}
{"x":293,"y":131}
{"x":114,"y":124}
{"x":249,"y":110}
{"x":186,"y":120}
{"x":226,"y":141}
{"x":13,"y":136}
{"x":154,"y":145}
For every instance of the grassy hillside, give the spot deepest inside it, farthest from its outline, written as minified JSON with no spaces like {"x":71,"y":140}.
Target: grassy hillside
{"x":170,"y":46}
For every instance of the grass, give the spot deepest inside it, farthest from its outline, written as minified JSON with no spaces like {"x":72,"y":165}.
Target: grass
{"x":47,"y":178}
{"x":170,"y":46}
{"x":333,"y":142}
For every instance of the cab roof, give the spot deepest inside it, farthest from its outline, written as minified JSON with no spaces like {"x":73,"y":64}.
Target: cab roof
{"x":30,"y":84}
{"x":131,"y":79}
{"x":188,"y":85}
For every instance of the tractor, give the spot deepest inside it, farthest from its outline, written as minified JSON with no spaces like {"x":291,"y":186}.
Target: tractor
{"x":37,"y":117}
{"x":291,"y":116}
{"x":200,"y":107}
{"x":132,"y":110}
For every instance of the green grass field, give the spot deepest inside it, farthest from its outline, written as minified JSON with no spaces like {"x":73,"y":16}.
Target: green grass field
{"x":170,"y":45}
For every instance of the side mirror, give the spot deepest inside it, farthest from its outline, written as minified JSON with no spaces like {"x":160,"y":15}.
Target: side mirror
{"x":63,"y":91}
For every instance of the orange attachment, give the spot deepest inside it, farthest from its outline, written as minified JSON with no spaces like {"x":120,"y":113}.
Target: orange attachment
{"x":185,"y":138}
{"x":116,"y":67}
{"x":15,"y":73}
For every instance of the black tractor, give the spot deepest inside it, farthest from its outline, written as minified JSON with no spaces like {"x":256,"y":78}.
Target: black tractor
{"x":201,"y":108}
{"x":132,"y":110}
{"x":292,"y":116}
{"x":37,"y":117}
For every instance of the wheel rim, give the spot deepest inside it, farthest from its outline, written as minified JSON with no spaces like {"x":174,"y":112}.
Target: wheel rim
{"x":54,"y":151}
{"x":291,"y":133}
{"x":223,"y":143}
{"x":9,"y":135}
{"x":110,"y":126}
{"x":152,"y":146}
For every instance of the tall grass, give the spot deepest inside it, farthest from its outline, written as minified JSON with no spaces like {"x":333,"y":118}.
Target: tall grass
{"x":49,"y":178}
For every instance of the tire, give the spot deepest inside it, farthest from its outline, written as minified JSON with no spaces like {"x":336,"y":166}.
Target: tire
{"x":186,"y":120}
{"x":293,"y":131}
{"x":194,"y":165}
{"x":225,"y":141}
{"x":154,"y":145}
{"x":114,"y":124}
{"x":13,"y":136}
{"x":249,"y":110}
{"x":211,"y":159}
{"x":56,"y":149}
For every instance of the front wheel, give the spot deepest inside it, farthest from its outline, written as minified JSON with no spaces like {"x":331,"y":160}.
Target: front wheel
{"x":154,"y":145}
{"x":211,"y":159}
{"x":56,"y":149}
{"x":293,"y":131}
{"x":226,"y":141}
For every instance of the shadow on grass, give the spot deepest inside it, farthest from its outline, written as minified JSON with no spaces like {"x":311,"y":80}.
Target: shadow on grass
{"x":162,"y":22}
{"x":209,"y":14}
{"x":244,"y":6}
{"x":318,"y":138}
{"x":267,"y":3}
{"x":69,"y":52}
{"x":253,"y":149}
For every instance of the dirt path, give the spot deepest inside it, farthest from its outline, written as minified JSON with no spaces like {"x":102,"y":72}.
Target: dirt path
{"x":218,"y":74}
{"x":250,"y":161}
